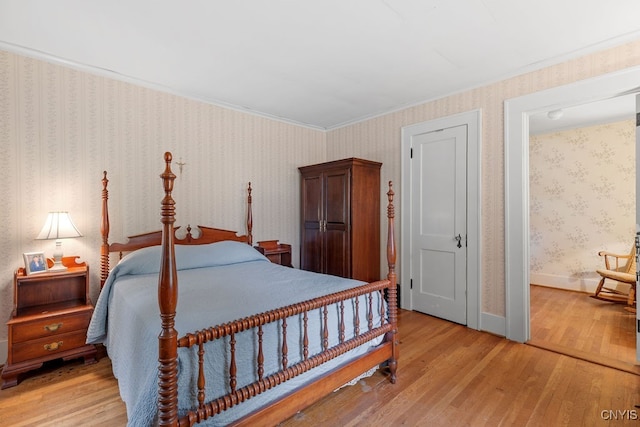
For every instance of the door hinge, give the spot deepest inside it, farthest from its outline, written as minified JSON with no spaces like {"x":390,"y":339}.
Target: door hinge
{"x":639,"y":326}
{"x":411,"y":153}
{"x":411,"y":284}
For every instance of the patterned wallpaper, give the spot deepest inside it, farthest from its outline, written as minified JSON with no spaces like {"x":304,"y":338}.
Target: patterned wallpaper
{"x":582,"y":200}
{"x":60,"y":128}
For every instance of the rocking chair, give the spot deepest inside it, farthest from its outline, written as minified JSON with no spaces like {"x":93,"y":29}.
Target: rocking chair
{"x":622,"y":269}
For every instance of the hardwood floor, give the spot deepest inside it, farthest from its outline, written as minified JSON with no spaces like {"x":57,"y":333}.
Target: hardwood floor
{"x":448,"y":375}
{"x":572,"y":323}
{"x":70,"y":394}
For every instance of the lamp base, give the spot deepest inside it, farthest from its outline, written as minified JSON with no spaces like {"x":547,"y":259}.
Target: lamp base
{"x":57,"y":258}
{"x":57,"y":266}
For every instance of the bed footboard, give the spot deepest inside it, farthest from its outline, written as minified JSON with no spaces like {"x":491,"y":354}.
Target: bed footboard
{"x":360,"y":303}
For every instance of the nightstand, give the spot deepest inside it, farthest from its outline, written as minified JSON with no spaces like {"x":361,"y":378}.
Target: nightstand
{"x":50,"y":317}
{"x":277,"y":253}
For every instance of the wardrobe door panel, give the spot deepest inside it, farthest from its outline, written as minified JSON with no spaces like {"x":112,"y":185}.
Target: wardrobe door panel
{"x":337,"y":253}
{"x":311,"y":235}
{"x":337,"y":199}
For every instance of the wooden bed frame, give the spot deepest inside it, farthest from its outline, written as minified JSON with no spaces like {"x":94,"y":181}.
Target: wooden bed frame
{"x":386,"y":353}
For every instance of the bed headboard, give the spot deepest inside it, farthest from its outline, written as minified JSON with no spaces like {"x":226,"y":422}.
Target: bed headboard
{"x":206,"y":234}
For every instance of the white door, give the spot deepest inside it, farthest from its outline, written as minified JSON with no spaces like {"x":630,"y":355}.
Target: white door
{"x":438,"y":223}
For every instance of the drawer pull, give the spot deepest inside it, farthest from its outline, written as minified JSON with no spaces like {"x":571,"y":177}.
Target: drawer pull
{"x":53,"y":346}
{"x":53,"y":327}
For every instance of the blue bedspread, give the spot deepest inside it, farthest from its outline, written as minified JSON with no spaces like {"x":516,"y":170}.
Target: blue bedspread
{"x":217,"y":283}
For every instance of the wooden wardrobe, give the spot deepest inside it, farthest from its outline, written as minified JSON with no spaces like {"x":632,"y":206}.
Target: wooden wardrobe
{"x":340,"y":218}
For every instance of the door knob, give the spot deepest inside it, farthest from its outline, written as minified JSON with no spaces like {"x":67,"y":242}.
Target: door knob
{"x":459,"y":239}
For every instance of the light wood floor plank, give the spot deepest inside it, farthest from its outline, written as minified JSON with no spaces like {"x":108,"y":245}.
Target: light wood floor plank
{"x":448,"y":375}
{"x":572,"y":323}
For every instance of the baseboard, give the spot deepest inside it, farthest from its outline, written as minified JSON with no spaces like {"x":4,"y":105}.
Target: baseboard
{"x":582,"y":284}
{"x":493,"y":324}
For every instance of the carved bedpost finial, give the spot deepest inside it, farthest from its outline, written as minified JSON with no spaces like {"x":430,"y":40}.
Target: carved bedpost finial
{"x":104,"y":230}
{"x":249,"y":217}
{"x":168,"y":298}
{"x":391,"y":244}
{"x":189,"y":236}
{"x":168,"y":177}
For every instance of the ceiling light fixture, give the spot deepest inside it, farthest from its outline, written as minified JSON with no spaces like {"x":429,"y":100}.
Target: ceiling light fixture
{"x":555,"y":114}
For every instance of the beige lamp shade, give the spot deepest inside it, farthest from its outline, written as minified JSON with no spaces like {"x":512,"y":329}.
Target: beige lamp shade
{"x":58,"y":226}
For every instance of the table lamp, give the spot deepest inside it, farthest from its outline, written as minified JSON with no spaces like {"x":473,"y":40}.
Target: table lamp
{"x":58,"y":226}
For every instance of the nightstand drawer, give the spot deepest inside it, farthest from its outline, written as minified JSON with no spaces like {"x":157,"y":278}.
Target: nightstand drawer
{"x":50,"y":326}
{"x":48,"y":346}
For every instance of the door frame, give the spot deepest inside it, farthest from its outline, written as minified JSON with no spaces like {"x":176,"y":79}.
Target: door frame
{"x":473,"y":121}
{"x":516,"y":147}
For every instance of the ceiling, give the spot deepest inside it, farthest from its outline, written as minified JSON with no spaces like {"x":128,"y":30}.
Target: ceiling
{"x":323,"y":63}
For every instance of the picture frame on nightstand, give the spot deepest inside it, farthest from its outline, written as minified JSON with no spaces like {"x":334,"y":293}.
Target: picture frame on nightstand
{"x":35,"y":262}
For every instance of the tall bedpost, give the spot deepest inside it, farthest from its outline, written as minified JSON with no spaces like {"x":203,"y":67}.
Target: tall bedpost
{"x":167,"y":300}
{"x":393,"y":295}
{"x":104,"y":230}
{"x":249,"y":217}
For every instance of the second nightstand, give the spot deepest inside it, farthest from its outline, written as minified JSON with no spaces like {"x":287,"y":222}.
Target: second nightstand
{"x":278,"y":253}
{"x":51,"y":313}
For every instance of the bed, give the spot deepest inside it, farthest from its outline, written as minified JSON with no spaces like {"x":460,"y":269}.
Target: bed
{"x":282,"y":337}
